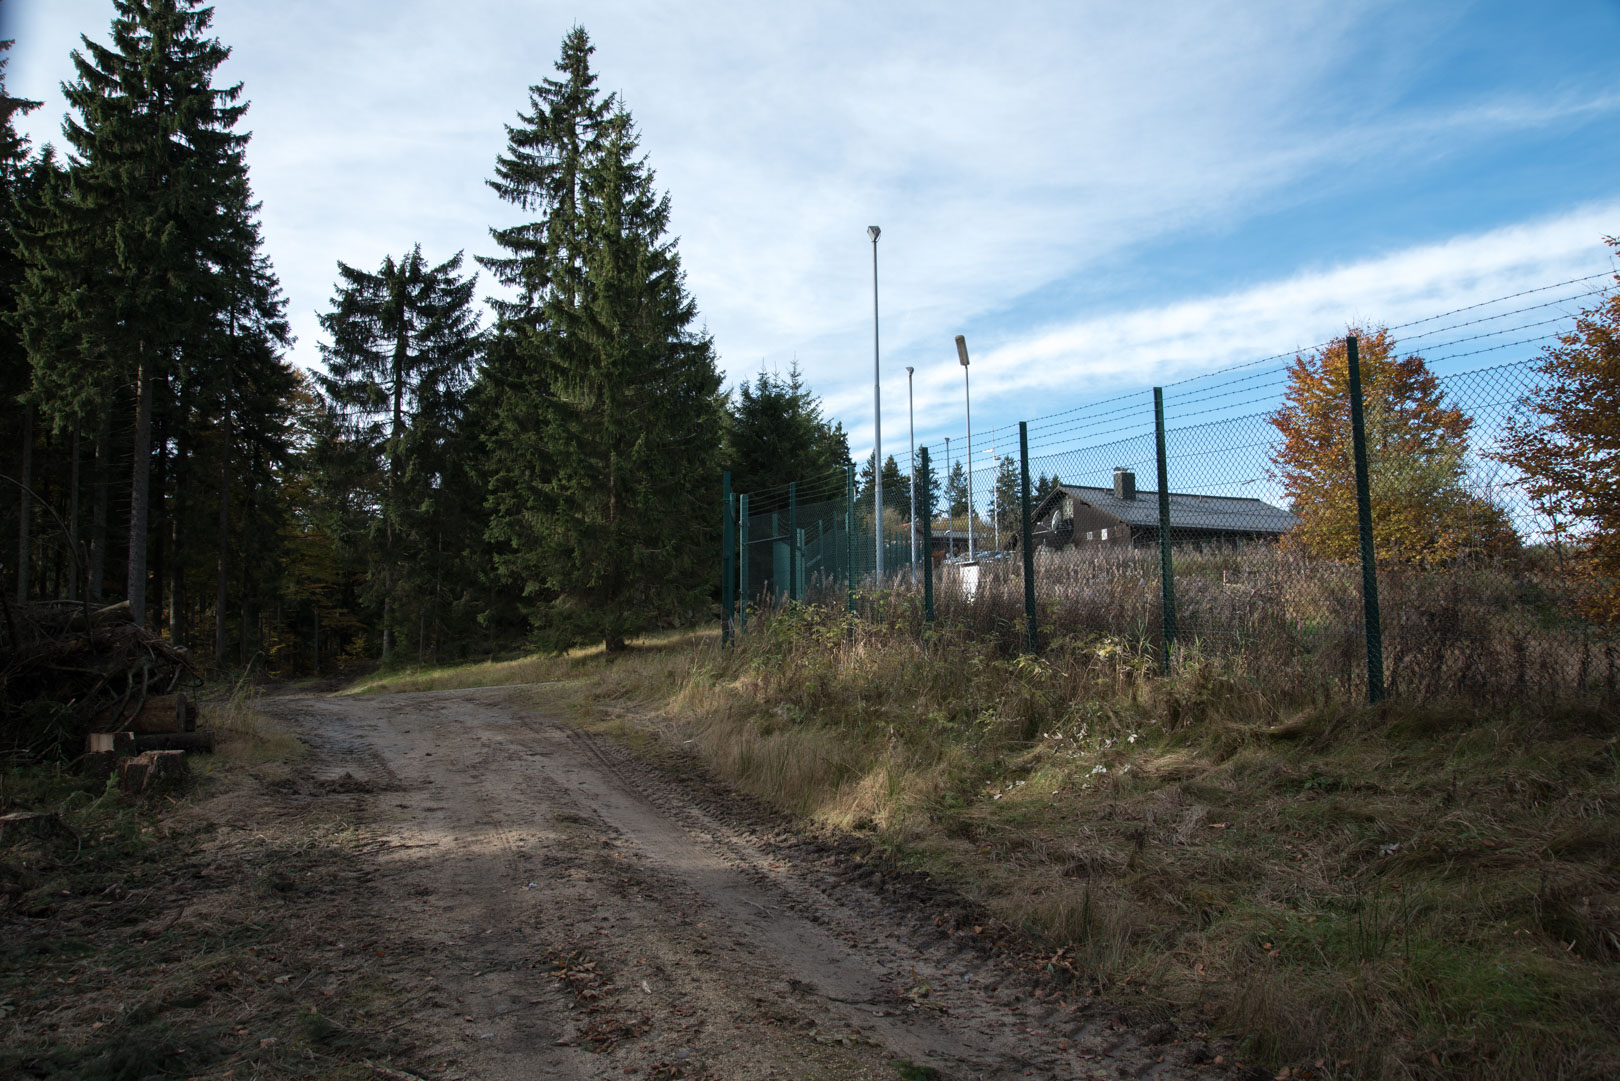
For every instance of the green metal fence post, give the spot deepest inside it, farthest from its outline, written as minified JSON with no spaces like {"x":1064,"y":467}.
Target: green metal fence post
{"x":1167,"y":574}
{"x":1369,"y":565}
{"x":928,"y":542}
{"x":849,"y":537}
{"x":728,"y":557}
{"x":793,"y":541}
{"x":742,"y":561}
{"x":1028,"y":537}
{"x":798,"y":564}
{"x":777,"y":570}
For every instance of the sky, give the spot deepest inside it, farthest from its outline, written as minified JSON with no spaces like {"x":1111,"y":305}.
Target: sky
{"x":1099,"y":197}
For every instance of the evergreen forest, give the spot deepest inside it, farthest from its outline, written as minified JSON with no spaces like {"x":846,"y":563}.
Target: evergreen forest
{"x":455,"y":482}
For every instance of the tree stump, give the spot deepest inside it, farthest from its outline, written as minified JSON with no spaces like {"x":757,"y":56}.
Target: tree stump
{"x":151,"y":771}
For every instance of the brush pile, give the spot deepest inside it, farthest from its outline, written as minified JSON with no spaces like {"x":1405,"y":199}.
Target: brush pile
{"x":68,"y":669}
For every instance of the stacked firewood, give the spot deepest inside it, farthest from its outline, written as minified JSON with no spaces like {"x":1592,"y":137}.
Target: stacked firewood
{"x":70,"y":669}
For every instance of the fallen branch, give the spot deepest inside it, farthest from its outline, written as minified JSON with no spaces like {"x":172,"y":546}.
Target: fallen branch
{"x":389,"y":1073}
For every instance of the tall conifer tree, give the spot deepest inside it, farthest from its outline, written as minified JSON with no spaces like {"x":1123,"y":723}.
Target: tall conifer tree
{"x":15,"y":415}
{"x":245,"y":398}
{"x":606,"y":446}
{"x":153,"y":146}
{"x":775,"y":433}
{"x":400,"y":361}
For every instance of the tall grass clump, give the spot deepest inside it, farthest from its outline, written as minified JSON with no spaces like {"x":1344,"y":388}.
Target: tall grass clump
{"x":1481,"y":628}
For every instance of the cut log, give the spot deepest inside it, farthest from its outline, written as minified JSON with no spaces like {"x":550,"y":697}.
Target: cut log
{"x":100,"y":764}
{"x":175,"y":741}
{"x":150,"y":771}
{"x":110,"y":743}
{"x":160,"y":713}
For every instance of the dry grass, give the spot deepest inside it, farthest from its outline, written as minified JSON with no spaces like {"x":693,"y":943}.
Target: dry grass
{"x":1485,"y":629}
{"x":242,"y":734}
{"x":536,"y":668}
{"x":1389,"y":893}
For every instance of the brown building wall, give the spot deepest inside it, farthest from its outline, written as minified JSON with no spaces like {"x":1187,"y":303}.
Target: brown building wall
{"x":1090,"y":520}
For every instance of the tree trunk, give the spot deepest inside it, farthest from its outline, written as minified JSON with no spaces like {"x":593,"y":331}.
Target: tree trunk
{"x":177,"y":565}
{"x":438,"y":586}
{"x":157,"y":563}
{"x":101,"y":487}
{"x":249,"y":627}
{"x":76,"y":562}
{"x":388,"y":615}
{"x":25,"y":508}
{"x":401,"y":354}
{"x":224,"y":542}
{"x":140,"y":487}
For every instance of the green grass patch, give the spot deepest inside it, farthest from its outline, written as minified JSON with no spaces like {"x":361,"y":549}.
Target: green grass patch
{"x":582,"y":662}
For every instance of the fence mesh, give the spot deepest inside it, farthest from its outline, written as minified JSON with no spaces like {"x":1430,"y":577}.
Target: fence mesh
{"x":1259,"y":523}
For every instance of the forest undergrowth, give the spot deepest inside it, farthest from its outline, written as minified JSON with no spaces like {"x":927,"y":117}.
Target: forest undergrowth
{"x":1371,"y":892}
{"x":173,"y":933}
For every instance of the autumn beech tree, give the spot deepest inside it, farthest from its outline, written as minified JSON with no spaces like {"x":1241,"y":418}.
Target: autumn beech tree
{"x":1416,"y":445}
{"x":1567,"y":445}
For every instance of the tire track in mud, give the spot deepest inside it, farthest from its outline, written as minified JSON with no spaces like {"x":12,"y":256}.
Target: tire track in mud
{"x":592,"y":915}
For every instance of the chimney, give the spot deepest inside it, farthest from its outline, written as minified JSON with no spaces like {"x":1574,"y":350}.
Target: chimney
{"x":1124,"y":483}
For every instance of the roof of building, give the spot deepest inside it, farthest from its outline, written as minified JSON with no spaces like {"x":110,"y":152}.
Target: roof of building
{"x":1222,"y":513}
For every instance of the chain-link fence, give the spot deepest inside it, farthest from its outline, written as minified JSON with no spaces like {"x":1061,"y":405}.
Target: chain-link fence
{"x":810,"y":540}
{"x":1344,"y":516}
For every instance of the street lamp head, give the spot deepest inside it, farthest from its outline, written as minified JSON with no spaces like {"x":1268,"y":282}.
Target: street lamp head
{"x":874,"y":232}
{"x":961,"y":350}
{"x":909,"y":370}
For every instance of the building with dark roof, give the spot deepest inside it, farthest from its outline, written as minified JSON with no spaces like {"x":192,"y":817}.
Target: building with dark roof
{"x":1072,"y":514}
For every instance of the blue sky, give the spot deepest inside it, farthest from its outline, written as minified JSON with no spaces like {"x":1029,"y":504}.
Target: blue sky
{"x":1099,"y":196}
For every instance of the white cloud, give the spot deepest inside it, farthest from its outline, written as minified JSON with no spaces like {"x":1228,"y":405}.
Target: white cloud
{"x":1003,"y":149}
{"x":1028,"y":375}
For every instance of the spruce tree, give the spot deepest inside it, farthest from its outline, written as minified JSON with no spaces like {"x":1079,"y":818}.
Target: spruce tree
{"x":929,"y":486}
{"x":1008,"y":502}
{"x":543,"y":172}
{"x":15,"y":415}
{"x":403,"y":342}
{"x":775,"y":433}
{"x":956,"y":490}
{"x":246,"y":398}
{"x":606,"y":449}
{"x":153,"y":144}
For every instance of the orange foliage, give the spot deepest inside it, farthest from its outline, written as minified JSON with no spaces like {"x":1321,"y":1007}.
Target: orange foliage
{"x":1571,"y":458}
{"x":1415,"y":446}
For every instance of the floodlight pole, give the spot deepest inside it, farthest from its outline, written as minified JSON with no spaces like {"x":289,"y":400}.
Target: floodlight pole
{"x":877,"y":416}
{"x":911,"y":467}
{"x":967,"y":398}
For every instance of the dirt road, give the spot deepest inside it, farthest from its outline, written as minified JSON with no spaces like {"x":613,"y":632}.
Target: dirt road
{"x":571,"y":912}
